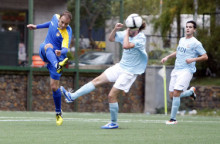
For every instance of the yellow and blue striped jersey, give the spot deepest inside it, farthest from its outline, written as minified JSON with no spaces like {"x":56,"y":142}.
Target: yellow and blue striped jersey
{"x":57,"y":37}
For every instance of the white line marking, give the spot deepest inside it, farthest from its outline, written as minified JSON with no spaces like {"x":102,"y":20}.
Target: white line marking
{"x":47,"y":119}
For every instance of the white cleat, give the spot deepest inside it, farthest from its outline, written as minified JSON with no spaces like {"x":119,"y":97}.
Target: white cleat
{"x":193,"y":96}
{"x":171,"y":122}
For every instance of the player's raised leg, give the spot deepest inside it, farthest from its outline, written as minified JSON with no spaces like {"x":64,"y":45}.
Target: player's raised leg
{"x":50,"y":55}
{"x":85,"y":89}
{"x":189,"y":93}
{"x":70,"y":97}
{"x":61,"y":64}
{"x":52,"y":58}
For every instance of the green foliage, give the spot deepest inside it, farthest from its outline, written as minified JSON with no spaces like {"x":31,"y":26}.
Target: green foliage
{"x":206,"y":81}
{"x":207,"y":7}
{"x":94,"y":12}
{"x":170,"y":11}
{"x":70,"y":55}
{"x":156,"y":55}
{"x":142,"y":7}
{"x":211,"y":43}
{"x":209,"y":112}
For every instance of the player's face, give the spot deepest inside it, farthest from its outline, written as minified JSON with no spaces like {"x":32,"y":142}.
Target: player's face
{"x":133,"y":33}
{"x":189,"y":29}
{"x":63,"y":22}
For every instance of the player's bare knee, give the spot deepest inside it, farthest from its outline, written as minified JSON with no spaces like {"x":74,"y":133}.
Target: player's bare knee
{"x":54,"y":87}
{"x":176,"y":93}
{"x":97,"y":81}
{"x":171,"y":95}
{"x":112,"y":98}
{"x":49,"y":45}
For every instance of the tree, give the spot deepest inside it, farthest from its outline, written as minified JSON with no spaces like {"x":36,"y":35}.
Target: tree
{"x":93,"y":12}
{"x":172,"y":9}
{"x":210,"y":37}
{"x":141,"y":7}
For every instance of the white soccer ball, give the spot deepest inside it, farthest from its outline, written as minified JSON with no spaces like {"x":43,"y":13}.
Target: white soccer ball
{"x":133,"y":21}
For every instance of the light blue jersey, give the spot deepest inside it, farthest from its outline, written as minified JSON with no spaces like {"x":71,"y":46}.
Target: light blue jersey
{"x":133,"y":60}
{"x":188,"y":48}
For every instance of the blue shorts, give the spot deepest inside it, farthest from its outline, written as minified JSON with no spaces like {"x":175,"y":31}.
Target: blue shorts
{"x":50,"y":67}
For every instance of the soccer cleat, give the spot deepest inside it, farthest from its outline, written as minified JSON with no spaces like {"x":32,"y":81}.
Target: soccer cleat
{"x":66,"y":94}
{"x":171,"y":122}
{"x":193,"y":96}
{"x":61,"y":64}
{"x":110,"y":126}
{"x":59,"y":119}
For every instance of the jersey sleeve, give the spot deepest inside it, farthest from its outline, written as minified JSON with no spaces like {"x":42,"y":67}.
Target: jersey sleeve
{"x":64,"y":50}
{"x":139,"y":42}
{"x":44,"y":25}
{"x":119,"y":36}
{"x":199,"y":49}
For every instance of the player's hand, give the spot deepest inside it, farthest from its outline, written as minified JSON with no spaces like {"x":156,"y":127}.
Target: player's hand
{"x":31,"y":26}
{"x":188,"y":61}
{"x":118,"y":26}
{"x":58,"y":52}
{"x":164,"y":60}
{"x":128,"y":29}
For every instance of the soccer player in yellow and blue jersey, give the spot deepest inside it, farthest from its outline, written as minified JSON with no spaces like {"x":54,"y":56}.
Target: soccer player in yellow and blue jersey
{"x":53,"y":51}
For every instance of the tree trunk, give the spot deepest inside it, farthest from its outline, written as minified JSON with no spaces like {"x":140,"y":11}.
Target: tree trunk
{"x":92,"y":42}
{"x":178,"y":22}
{"x":217,"y":21}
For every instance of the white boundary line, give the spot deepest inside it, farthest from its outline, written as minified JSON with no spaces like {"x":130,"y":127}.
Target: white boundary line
{"x":40,"y":119}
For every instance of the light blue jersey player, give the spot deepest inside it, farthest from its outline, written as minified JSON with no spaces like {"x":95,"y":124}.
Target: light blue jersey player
{"x":53,"y":51}
{"x":188,"y":52}
{"x":188,"y":48}
{"x":123,"y":74}
{"x":133,"y":60}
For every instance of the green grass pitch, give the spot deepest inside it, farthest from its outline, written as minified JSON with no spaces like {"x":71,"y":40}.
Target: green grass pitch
{"x":84,"y":128}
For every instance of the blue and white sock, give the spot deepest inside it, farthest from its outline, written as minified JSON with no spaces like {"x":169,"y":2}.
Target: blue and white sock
{"x":57,"y":100}
{"x":186,"y":93}
{"x":113,"y":107}
{"x":87,"y":88}
{"x":175,"y":107}
{"x":51,"y":57}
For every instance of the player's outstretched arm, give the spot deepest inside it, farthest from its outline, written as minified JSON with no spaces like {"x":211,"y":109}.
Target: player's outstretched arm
{"x":163,"y":60}
{"x":32,"y":26}
{"x":113,"y":32}
{"x":39,"y":26}
{"x":203,"y":57}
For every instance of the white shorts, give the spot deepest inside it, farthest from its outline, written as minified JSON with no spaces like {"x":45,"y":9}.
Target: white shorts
{"x":123,"y":79}
{"x":180,"y":80}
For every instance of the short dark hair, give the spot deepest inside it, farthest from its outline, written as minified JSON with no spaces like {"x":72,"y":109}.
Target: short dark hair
{"x":67,"y":14}
{"x":193,"y":22}
{"x":142,"y":26}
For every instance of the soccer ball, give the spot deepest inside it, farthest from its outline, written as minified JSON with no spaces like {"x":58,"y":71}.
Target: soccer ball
{"x":133,"y":21}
